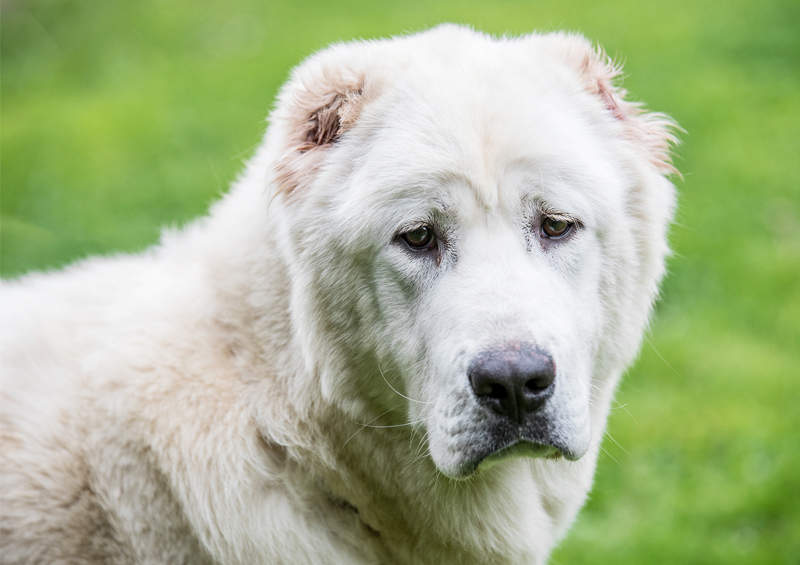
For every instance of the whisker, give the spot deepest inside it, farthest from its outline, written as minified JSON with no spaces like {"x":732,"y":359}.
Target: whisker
{"x":419,"y":438}
{"x":375,"y":419}
{"x":421,"y":451}
{"x":394,"y":425}
{"x":618,"y":444}
{"x":614,"y":459}
{"x":624,"y":407}
{"x":395,"y":390}
{"x":657,"y":352}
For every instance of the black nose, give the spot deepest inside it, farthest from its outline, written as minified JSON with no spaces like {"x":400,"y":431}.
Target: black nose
{"x":514,"y":380}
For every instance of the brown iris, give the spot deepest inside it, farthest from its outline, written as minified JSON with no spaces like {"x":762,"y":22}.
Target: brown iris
{"x":554,"y":227}
{"x":420,"y":238}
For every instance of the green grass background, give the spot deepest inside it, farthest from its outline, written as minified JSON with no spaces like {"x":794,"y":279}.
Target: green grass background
{"x":119,"y":117}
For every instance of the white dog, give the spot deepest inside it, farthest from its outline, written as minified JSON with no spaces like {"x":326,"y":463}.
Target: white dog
{"x":394,"y":341}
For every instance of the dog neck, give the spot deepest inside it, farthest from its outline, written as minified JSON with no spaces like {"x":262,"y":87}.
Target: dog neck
{"x":414,"y":512}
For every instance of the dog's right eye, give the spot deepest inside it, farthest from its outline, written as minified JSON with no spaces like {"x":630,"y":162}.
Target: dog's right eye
{"x":420,"y":238}
{"x":554,"y":227}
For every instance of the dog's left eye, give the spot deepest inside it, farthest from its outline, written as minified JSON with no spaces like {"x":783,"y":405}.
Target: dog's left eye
{"x":420,"y":238}
{"x":554,"y":227}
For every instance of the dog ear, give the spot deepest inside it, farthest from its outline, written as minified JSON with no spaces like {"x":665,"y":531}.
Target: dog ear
{"x":652,"y":131}
{"x":317,"y":106}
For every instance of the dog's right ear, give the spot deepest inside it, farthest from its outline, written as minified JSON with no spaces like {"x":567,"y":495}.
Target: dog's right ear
{"x":652,"y":132}
{"x":316,"y":107}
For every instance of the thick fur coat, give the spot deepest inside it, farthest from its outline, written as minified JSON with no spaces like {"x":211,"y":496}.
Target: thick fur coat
{"x":287,"y":380}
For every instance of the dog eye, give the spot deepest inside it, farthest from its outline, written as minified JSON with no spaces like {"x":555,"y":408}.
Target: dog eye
{"x":554,"y":227}
{"x":420,"y":238}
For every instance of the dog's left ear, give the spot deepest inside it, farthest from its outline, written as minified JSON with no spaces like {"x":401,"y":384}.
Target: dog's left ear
{"x":652,"y":131}
{"x":318,"y":105}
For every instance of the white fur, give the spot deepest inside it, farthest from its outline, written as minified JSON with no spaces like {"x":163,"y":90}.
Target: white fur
{"x":240,"y":392}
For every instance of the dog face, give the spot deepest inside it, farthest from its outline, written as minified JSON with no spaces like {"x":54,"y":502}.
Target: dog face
{"x":466,"y":223}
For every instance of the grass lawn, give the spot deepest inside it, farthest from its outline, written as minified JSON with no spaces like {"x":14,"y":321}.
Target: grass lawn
{"x":120,"y":117}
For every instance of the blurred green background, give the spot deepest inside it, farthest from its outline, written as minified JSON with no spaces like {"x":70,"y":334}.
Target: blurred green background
{"x":120,"y":117}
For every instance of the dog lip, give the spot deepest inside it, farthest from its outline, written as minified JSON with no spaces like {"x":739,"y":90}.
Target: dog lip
{"x":525,"y":448}
{"x":519,"y":445}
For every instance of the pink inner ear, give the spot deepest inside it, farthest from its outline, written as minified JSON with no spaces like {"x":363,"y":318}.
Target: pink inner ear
{"x":330,"y":119}
{"x":325,"y":124}
{"x":610,"y":101}
{"x":316,"y":121}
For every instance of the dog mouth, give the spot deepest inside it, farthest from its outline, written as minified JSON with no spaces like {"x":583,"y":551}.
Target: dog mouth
{"x":494,"y":450}
{"x":520,"y":448}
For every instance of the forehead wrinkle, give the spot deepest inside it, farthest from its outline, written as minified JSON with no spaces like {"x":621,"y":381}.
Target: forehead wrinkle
{"x":558,"y":190}
{"x":484,"y":191}
{"x":431,"y":188}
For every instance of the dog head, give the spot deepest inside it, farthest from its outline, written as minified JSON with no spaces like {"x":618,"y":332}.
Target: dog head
{"x":475,"y":230}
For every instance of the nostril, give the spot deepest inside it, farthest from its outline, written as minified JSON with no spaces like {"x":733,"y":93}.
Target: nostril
{"x":498,"y":391}
{"x":486,"y":386}
{"x":538,"y":383}
{"x":534,"y":385}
